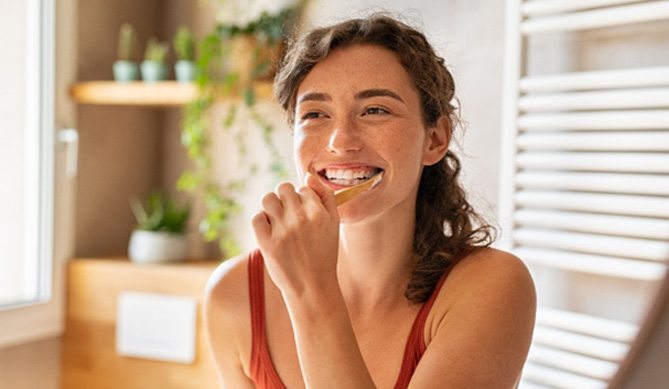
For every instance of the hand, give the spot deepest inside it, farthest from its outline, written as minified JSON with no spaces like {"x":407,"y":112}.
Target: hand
{"x":298,"y":234}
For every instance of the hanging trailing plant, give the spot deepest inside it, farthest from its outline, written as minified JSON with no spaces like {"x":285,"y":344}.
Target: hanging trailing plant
{"x":215,"y":81}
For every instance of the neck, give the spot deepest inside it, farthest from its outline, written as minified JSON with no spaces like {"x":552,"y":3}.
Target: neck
{"x":376,"y":259}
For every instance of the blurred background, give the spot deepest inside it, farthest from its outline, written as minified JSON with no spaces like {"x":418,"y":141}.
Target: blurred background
{"x":139,"y":137}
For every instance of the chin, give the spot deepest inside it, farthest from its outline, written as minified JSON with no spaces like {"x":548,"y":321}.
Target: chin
{"x":378,"y":208}
{"x":355,"y":213}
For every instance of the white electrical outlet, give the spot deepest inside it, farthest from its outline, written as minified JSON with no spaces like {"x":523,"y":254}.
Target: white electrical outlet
{"x":156,"y":326}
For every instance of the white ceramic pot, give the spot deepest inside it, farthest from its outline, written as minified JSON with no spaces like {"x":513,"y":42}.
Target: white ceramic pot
{"x":156,"y":247}
{"x":153,"y":71}
{"x":185,"y":71}
{"x":125,"y":71}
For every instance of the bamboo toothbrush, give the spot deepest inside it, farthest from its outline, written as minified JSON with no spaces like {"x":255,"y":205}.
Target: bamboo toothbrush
{"x":346,"y":194}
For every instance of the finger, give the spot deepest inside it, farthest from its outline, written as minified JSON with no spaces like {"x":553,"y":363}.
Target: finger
{"x":330,"y":204}
{"x":325,"y":193}
{"x":288,"y":196}
{"x":310,"y":199}
{"x":314,"y":183}
{"x":262,"y":228}
{"x":272,"y":206}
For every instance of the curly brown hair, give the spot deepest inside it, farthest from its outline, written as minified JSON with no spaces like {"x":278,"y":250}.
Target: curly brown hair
{"x":447,"y":227}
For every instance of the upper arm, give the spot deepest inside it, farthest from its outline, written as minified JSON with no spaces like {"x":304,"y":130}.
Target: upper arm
{"x":226,"y":315}
{"x":483,"y":339}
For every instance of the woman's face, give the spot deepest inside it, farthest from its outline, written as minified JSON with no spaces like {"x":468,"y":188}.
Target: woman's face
{"x":358,"y":113}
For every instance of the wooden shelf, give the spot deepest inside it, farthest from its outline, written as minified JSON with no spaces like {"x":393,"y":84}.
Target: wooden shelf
{"x":138,"y":93}
{"x":163,"y":93}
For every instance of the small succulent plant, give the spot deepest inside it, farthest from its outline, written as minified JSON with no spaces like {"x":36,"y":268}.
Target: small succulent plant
{"x":156,"y":51}
{"x":126,"y":42}
{"x":160,"y":214}
{"x":184,"y":44}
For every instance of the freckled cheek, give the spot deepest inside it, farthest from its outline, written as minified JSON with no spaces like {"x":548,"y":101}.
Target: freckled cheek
{"x":305,"y":149}
{"x":395,"y":147}
{"x":406,"y":148}
{"x":399,"y":145}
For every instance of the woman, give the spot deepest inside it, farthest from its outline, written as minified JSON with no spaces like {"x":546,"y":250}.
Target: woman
{"x":395,"y":288}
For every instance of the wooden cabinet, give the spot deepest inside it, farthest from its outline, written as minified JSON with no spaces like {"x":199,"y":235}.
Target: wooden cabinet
{"x":89,"y":353}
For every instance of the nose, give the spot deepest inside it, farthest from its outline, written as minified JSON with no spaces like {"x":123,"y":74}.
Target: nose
{"x":344,"y":138}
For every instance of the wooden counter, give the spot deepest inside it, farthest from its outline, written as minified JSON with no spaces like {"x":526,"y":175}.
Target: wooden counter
{"x":89,"y":352}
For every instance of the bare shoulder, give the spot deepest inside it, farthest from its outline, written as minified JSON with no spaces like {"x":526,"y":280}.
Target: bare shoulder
{"x":491,"y":270}
{"x":490,"y":286}
{"x":227,"y":287}
{"x":480,"y":328}
{"x":227,"y":318}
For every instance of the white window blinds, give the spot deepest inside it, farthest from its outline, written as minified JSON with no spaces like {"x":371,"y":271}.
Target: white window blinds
{"x":585,"y":181}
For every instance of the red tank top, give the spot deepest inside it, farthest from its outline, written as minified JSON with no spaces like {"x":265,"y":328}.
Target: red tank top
{"x":263,"y":373}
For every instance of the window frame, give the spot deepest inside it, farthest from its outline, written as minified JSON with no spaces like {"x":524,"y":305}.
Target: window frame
{"x":41,"y":316}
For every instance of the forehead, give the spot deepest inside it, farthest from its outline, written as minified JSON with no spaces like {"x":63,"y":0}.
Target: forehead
{"x":358,"y":67}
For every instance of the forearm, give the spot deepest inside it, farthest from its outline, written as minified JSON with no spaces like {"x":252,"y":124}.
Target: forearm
{"x":327,"y":348}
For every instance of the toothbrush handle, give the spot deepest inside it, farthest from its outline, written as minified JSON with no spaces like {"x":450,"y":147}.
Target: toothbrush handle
{"x":346,"y":194}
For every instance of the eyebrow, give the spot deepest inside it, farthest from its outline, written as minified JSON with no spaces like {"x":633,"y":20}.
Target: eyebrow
{"x":366,"y":94}
{"x":378,"y":92}
{"x":314,"y":96}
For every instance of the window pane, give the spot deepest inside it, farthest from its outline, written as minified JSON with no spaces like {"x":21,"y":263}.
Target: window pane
{"x":23,"y":151}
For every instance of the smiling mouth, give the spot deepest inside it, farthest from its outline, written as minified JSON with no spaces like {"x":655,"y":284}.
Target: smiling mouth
{"x":350,"y":177}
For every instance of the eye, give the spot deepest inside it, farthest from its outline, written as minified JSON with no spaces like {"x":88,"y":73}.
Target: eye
{"x":312,"y":115}
{"x":375,"y":111}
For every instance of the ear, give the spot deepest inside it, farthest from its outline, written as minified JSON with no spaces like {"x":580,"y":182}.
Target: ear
{"x":437,"y":141}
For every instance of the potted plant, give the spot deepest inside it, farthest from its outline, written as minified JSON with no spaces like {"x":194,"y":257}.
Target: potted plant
{"x":160,"y":232}
{"x":125,"y":69}
{"x":184,"y":46}
{"x":154,"y":66}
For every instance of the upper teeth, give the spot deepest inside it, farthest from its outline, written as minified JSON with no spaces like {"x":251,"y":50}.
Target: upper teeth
{"x":349,"y":174}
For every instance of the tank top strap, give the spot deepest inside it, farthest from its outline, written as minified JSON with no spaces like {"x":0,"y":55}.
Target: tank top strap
{"x":263,"y":373}
{"x":415,"y":346}
{"x":257,"y":305}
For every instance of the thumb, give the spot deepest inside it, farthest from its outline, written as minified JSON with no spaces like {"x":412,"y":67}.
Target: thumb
{"x":324,"y":192}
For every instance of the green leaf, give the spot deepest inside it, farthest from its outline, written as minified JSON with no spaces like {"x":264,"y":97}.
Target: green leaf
{"x":188,"y":181}
{"x":184,"y":44}
{"x":230,"y":81}
{"x":160,"y":214}
{"x":229,"y":246}
{"x":208,"y":233}
{"x":249,"y":96}
{"x":230,"y":117}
